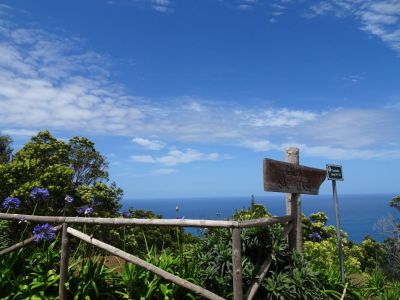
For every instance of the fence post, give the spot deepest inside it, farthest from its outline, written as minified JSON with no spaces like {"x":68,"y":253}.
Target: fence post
{"x":237,"y":265}
{"x":62,"y":292}
{"x":293,"y":206}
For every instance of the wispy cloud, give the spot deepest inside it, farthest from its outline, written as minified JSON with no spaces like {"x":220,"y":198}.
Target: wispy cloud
{"x":276,"y":118}
{"x":380,"y":18}
{"x":353,"y":78}
{"x":247,"y":4}
{"x":163,"y":171}
{"x":162,"y":6}
{"x":353,"y":128}
{"x":175,"y":157}
{"x":52,"y":82}
{"x":149,"y":144}
{"x":326,"y":151}
{"x":340,"y":153}
{"x":259,"y":145}
{"x":19,"y":132}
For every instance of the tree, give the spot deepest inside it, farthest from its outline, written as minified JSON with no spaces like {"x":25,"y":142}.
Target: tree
{"x":89,"y":166}
{"x":5,"y":149}
{"x":74,"y":168}
{"x":390,"y":227}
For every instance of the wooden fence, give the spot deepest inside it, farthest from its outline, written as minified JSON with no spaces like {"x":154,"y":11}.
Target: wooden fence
{"x":67,"y":231}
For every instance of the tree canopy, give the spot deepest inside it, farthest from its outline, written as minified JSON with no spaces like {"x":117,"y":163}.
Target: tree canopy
{"x":5,"y":149}
{"x":73,"y":168}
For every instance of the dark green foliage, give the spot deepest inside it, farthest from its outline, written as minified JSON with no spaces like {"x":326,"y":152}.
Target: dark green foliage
{"x":91,"y":278}
{"x":74,"y":168}
{"x":395,"y":202}
{"x":134,"y":239}
{"x":391,"y":228}
{"x":30,"y":273}
{"x":5,"y":149}
{"x":33,"y":272}
{"x":279,"y":286}
{"x":290,"y":277}
{"x":316,"y":223}
{"x":373,"y":254}
{"x":5,"y":234}
{"x":89,"y":166}
{"x":137,"y":282}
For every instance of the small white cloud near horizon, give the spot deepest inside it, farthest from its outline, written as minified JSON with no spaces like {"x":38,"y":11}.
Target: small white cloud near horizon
{"x":149,"y":144}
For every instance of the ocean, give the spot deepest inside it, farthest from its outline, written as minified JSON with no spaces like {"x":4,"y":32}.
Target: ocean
{"x":359,"y":214}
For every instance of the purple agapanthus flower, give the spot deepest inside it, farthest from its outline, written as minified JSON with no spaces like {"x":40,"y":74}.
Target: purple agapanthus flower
{"x":40,"y":193}
{"x":43,"y":232}
{"x":126,"y":214}
{"x":315,"y":236}
{"x":11,"y":202}
{"x":85,"y":210}
{"x":69,"y":199}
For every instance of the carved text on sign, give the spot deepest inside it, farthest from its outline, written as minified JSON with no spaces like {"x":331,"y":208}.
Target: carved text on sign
{"x":289,"y":178}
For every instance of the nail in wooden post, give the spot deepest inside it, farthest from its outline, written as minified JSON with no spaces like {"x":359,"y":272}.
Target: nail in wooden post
{"x":237,"y":265}
{"x":62,"y":291}
{"x":293,"y":206}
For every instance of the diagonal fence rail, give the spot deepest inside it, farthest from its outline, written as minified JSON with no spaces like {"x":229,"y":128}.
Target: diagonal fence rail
{"x":236,"y":226}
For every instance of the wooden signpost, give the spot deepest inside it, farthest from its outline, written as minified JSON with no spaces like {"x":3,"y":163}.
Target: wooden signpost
{"x":289,"y":178}
{"x":293,"y":179}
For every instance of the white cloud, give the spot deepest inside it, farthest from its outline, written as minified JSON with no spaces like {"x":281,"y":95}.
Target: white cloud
{"x":325,"y":151}
{"x":353,"y":78}
{"x":244,"y":6}
{"x":195,"y":106}
{"x":277,"y":118}
{"x":163,"y":171}
{"x":162,"y":6}
{"x":340,"y":153}
{"x":258,"y":145}
{"x":143,"y":158}
{"x":149,"y":144}
{"x":377,"y":17}
{"x":247,"y":4}
{"x":353,"y":128}
{"x":49,"y":82}
{"x":175,"y":157}
{"x":19,"y":132}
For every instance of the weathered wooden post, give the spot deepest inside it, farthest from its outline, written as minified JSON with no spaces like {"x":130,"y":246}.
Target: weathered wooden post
{"x":237,"y":265}
{"x":62,"y":291}
{"x":293,"y":205}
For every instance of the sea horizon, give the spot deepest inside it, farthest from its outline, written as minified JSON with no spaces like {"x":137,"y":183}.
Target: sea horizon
{"x":359,"y":213}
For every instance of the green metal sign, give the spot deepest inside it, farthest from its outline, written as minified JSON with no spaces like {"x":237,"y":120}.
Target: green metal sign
{"x":334,"y":172}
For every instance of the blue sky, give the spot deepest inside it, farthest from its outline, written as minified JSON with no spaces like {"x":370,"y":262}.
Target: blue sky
{"x":185,"y":98}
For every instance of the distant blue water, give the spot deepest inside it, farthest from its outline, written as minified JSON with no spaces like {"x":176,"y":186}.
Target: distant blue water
{"x":358,"y":213}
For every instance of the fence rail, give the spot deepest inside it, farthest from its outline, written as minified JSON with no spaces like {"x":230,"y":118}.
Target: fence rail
{"x":148,"y":222}
{"x":236,"y":226}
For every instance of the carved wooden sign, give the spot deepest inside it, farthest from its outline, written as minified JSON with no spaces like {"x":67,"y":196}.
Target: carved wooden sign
{"x":289,"y":178}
